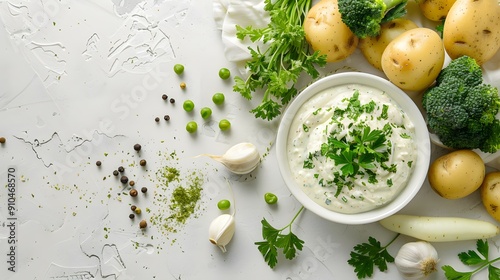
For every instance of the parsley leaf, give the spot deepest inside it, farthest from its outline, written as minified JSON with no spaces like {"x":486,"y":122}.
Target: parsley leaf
{"x":308,"y":163}
{"x":274,"y":239}
{"x":276,"y":69}
{"x":267,"y":109}
{"x":269,"y":251}
{"x":478,"y":258}
{"x":440,"y":28}
{"x":367,"y":255}
{"x":363,"y":151}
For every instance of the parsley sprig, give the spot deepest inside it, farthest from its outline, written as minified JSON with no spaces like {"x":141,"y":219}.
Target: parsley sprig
{"x":477,"y":258}
{"x":286,"y":55}
{"x":363,"y":147}
{"x":274,"y":239}
{"x":367,"y":255}
{"x":362,"y":152}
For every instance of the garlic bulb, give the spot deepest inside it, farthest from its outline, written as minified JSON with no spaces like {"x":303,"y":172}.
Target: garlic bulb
{"x":241,"y":158}
{"x":221,"y":231}
{"x":416,"y":260}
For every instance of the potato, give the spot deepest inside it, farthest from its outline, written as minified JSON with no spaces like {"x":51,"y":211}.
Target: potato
{"x":327,"y":33}
{"x":490,"y":194}
{"x":457,"y":174}
{"x":373,"y":47}
{"x":413,"y":60}
{"x":472,"y":28}
{"x":435,"y":10}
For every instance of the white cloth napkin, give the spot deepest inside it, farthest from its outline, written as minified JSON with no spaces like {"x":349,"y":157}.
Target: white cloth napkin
{"x":228,"y":14}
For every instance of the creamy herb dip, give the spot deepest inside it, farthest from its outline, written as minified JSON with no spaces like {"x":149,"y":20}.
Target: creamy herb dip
{"x":351,"y":148}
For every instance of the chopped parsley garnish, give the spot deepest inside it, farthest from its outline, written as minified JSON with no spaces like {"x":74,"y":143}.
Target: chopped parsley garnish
{"x":359,"y":153}
{"x":384,"y":114}
{"x":389,"y":182}
{"x":317,"y":111}
{"x":308,"y":163}
{"x":362,"y":152}
{"x":405,"y":136}
{"x":391,"y":168}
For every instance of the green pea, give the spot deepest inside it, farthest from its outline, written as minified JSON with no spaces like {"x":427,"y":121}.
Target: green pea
{"x":191,"y":126}
{"x":223,"y":204}
{"x":224,"y":73}
{"x":188,"y":105}
{"x":270,"y":198}
{"x":224,"y":124}
{"x":218,"y":98}
{"x":205,"y":112}
{"x":178,"y":69}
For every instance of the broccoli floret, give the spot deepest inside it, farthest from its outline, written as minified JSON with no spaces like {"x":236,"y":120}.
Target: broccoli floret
{"x":461,"y":109}
{"x":364,"y":17}
{"x":463,"y":67}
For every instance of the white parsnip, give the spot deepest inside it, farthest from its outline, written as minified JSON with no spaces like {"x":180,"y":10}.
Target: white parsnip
{"x":440,"y":229}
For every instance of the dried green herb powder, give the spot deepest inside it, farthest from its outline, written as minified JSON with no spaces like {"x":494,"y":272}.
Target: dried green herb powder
{"x":184,"y":201}
{"x":178,"y":196}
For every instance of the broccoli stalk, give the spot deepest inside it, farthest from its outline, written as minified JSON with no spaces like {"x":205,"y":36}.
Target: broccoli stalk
{"x":364,"y":17}
{"x":462,"y":110}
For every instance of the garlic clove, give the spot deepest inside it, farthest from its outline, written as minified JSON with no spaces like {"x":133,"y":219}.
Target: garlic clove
{"x":241,"y":158}
{"x":221,"y":231}
{"x":416,"y":260}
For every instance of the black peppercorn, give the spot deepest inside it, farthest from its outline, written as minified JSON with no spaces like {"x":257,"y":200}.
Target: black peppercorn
{"x":137,"y":147}
{"x":131,"y":216}
{"x":124,"y":179}
{"x":142,"y":162}
{"x":133,"y":207}
{"x":172,"y":100}
{"x":115,"y":172}
{"x":131,"y":183}
{"x":164,"y":97}
{"x":144,"y":190}
{"x":98,"y":163}
{"x":157,"y":119}
{"x":2,"y":140}
{"x":121,"y":169}
{"x":133,"y":192}
{"x":166,"y":117}
{"x":143,"y":224}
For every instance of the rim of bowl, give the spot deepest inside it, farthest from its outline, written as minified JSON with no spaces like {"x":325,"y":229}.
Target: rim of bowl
{"x":422,"y":139}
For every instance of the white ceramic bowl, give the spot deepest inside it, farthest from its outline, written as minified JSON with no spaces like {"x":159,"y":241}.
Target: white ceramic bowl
{"x":422,"y":143}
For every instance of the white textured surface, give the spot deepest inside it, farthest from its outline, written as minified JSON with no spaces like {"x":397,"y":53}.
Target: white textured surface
{"x":81,"y":79}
